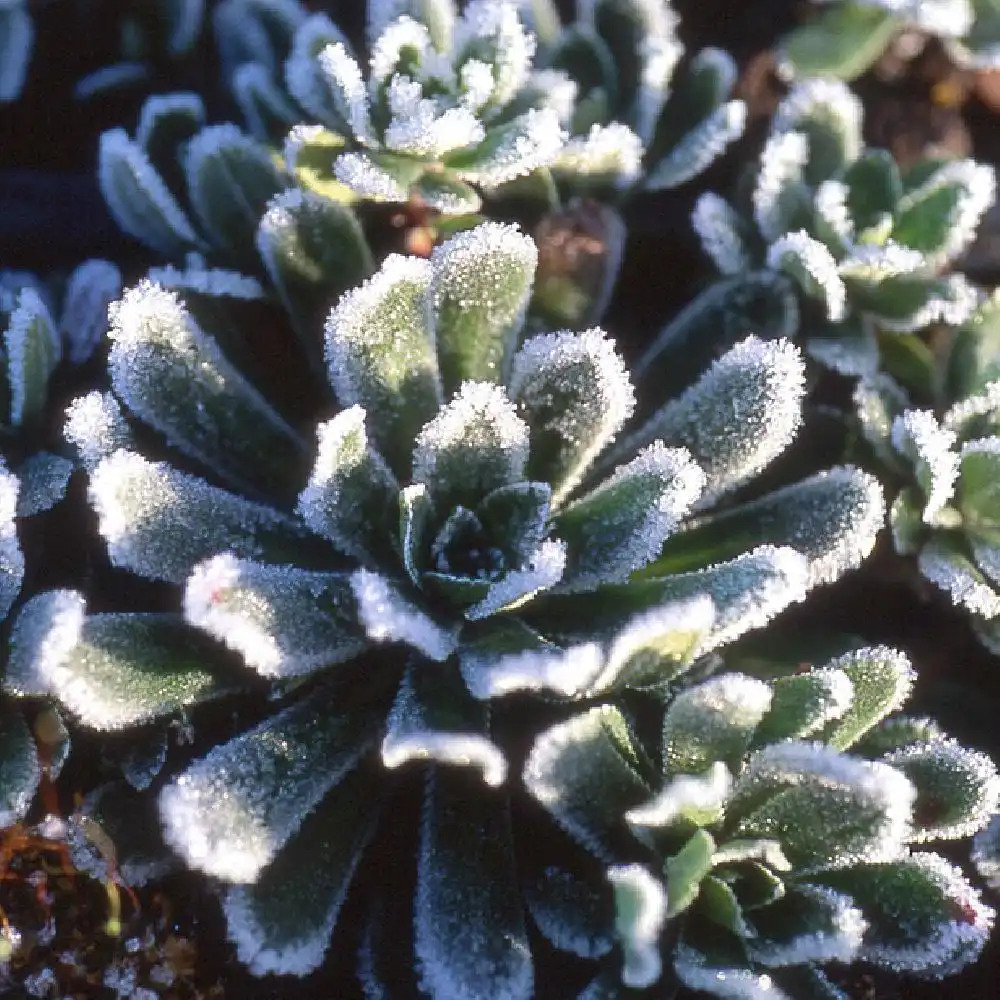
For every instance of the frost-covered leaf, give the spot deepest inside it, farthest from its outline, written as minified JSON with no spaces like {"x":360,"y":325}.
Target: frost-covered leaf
{"x":832,"y":518}
{"x":90,"y":289}
{"x":979,"y":487}
{"x":313,"y":249}
{"x":175,"y":378}
{"x":282,"y":620}
{"x":575,"y":395}
{"x":609,"y":155}
{"x":727,"y":982}
{"x":940,"y":216}
{"x":808,"y":924}
{"x":351,"y":497}
{"x":720,"y":229}
{"x":923,"y":915}
{"x":986,"y":852}
{"x":138,"y":198}
{"x":470,"y":938}
{"x":434,"y":719}
{"x":45,"y":629}
{"x":780,"y":197}
{"x":388,"y":616}
{"x":621,"y":525}
{"x":685,"y":801}
{"x":11,"y":557}
{"x":946,"y":565}
{"x":804,"y":703}
{"x":479,"y":292}
{"x":230,"y":179}
{"x":737,"y":417}
{"x":931,"y":448}
{"x":231,"y":812}
{"x":957,"y":789}
{"x":446,"y":194}
{"x":380,"y":354}
{"x":96,"y":428}
{"x":543,"y":570}
{"x":121,"y":670}
{"x":20,"y":772}
{"x":158,"y":522}
{"x":827,"y":809}
{"x":306,"y":79}
{"x":712,"y":721}
{"x":640,"y":916}
{"x":476,"y":444}
{"x":282,"y":923}
{"x":813,"y":267}
{"x":585,"y":772}
{"x":44,"y":478}
{"x":33,"y":350}
{"x":905,"y":303}
{"x":264,"y":106}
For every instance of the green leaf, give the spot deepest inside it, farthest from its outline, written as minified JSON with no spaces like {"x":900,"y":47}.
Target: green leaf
{"x":621,"y":525}
{"x":516,"y":519}
{"x":873,"y":188}
{"x":307,"y":80}
{"x":896,"y":733}
{"x":121,"y":670}
{"x":20,"y":772}
{"x":906,"y":303}
{"x":380,"y":354}
{"x":979,"y":488}
{"x":843,"y":41}
{"x":263,"y":104}
{"x":159,"y":522}
{"x":231,"y":178}
{"x":943,"y":561}
{"x":640,"y":915}
{"x":313,"y":249}
{"x":282,"y":620}
{"x":446,"y":194}
{"x":713,"y":721}
{"x":469,"y":934}
{"x":684,"y":803}
{"x":585,"y":773}
{"x":804,"y":703}
{"x":231,"y":812}
{"x":434,"y":718}
{"x":686,"y":869}
{"x":282,"y":923}
{"x":974,"y":360}
{"x":476,"y":444}
{"x":812,"y":265}
{"x":825,"y":808}
{"x":574,"y":393}
{"x":166,"y":122}
{"x":923,"y":915}
{"x":957,"y":789}
{"x":736,"y":418}
{"x":33,"y":349}
{"x":480,"y":289}
{"x":882,"y":679}
{"x":175,"y":378}
{"x":351,"y":497}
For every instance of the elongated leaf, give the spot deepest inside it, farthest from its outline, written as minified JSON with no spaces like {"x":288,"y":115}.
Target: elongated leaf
{"x":96,"y":428}
{"x":640,"y":914}
{"x":469,"y":933}
{"x":33,"y":350}
{"x":283,"y":922}
{"x":574,"y":393}
{"x":11,"y":557}
{"x":90,"y":289}
{"x":17,"y":36}
{"x":801,"y":704}
{"x":380,"y":354}
{"x":231,"y":812}
{"x":20,"y":772}
{"x":175,"y":378}
{"x":44,"y":478}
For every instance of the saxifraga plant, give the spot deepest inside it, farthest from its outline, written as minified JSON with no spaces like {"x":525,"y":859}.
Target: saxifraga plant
{"x":832,"y":239}
{"x":468,"y":543}
{"x":773,"y":835}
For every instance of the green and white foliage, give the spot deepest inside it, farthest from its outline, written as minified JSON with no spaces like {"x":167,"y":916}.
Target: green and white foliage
{"x":775,"y":835}
{"x":180,"y":186}
{"x":946,"y":464}
{"x":867,"y":246}
{"x":472,"y":528}
{"x":848,"y":36}
{"x":637,"y":120}
{"x":448,"y":107}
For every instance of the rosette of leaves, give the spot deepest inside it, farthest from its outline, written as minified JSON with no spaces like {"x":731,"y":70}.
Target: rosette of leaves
{"x":473,"y":528}
{"x":639,"y":118}
{"x":943,"y":462}
{"x":772,"y":832}
{"x":866,"y":246}
{"x":451,"y":107}
{"x":846,"y":38}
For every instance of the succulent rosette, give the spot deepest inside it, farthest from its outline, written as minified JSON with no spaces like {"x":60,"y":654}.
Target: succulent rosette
{"x":484,"y":522}
{"x":832,"y":238}
{"x":776,"y":831}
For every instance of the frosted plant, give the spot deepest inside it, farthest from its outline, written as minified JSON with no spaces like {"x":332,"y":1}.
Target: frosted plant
{"x":847,"y":37}
{"x":945,"y":462}
{"x":636,"y":120}
{"x":477,"y":531}
{"x":17,"y":34}
{"x":774,"y":834}
{"x":866,"y":248}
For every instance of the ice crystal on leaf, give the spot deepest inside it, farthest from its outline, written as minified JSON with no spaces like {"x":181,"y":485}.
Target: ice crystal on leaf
{"x":481,"y":521}
{"x":774,"y":855}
